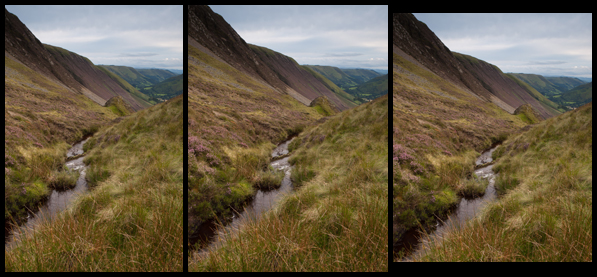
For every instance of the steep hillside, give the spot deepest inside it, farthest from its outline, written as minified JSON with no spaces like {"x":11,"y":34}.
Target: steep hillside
{"x":504,"y":87}
{"x":211,"y":34}
{"x":94,"y":80}
{"x":414,"y":39}
{"x":292,"y":74}
{"x":75,"y":72}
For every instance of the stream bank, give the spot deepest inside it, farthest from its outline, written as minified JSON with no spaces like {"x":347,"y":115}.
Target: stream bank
{"x":413,"y":242}
{"x":210,"y":235}
{"x":57,"y":201}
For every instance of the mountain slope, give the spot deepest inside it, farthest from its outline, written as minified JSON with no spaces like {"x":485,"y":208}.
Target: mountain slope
{"x":166,"y":89}
{"x":334,"y":74}
{"x":373,"y":88}
{"x":297,"y":78}
{"x":540,"y":83}
{"x":75,"y":72}
{"x":210,"y":33}
{"x":414,"y":39}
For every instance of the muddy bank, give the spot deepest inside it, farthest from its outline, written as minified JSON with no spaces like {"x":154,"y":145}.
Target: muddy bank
{"x":57,"y":201}
{"x":210,"y":233}
{"x":414,"y":241}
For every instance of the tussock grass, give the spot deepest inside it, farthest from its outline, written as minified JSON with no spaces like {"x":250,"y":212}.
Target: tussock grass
{"x":133,"y":219}
{"x":336,"y":220}
{"x":64,"y":179}
{"x":545,"y":176}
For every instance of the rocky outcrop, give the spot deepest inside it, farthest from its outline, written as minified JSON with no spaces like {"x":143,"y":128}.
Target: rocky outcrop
{"x":327,"y":107}
{"x":529,"y":112}
{"x":123,"y":107}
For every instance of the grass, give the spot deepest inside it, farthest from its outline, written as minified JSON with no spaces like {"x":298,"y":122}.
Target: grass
{"x":64,"y":179}
{"x":337,"y":219}
{"x":132,"y":220}
{"x":545,"y":178}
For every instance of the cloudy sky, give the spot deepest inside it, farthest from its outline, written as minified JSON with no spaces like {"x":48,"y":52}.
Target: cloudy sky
{"x":546,"y":44}
{"x":136,"y":36}
{"x":341,"y":36}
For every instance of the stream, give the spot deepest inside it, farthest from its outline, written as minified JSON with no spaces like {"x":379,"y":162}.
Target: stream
{"x":58,"y":200}
{"x":465,"y":210}
{"x":210,"y":235}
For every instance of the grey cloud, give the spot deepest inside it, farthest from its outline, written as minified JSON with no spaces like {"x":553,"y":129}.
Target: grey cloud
{"x":347,"y":54}
{"x":545,"y":62}
{"x":137,"y":54}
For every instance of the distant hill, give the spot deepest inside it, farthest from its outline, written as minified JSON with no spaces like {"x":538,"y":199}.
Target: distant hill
{"x":577,"y":96}
{"x":373,"y":88}
{"x":551,"y":87}
{"x":166,"y":89}
{"x":148,"y":81}
{"x":140,"y":78}
{"x":345,"y":78}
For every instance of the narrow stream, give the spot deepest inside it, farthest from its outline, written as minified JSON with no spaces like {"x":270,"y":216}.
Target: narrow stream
{"x":58,"y":200}
{"x":466,"y":209}
{"x":208,"y":235}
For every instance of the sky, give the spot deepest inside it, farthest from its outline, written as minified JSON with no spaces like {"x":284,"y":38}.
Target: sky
{"x":545,"y":44}
{"x":135,"y":36}
{"x":341,"y":36}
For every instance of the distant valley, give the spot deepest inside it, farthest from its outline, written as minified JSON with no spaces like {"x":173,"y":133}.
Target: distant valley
{"x":158,"y":84}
